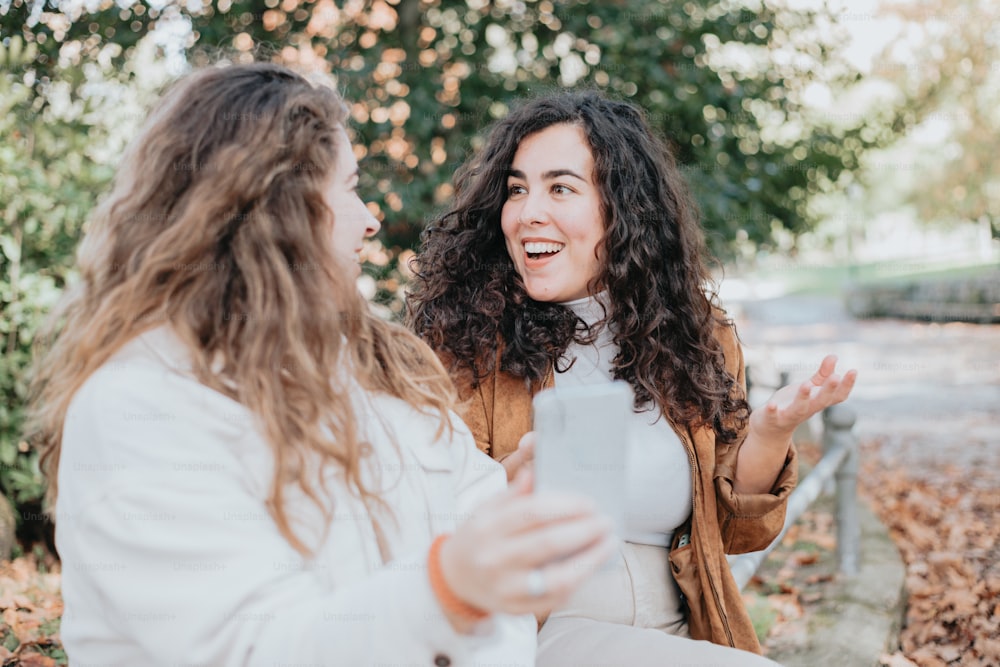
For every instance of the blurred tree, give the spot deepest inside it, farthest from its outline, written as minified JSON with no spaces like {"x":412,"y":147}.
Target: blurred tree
{"x":722,"y":80}
{"x":946,"y":62}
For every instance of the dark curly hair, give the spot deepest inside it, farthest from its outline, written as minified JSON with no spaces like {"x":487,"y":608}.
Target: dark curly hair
{"x":467,"y":297}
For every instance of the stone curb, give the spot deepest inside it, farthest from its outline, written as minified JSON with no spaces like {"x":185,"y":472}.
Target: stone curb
{"x":860,"y":617}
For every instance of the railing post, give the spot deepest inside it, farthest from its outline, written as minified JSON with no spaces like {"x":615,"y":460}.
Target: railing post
{"x":828,"y":442}
{"x":838,"y":421}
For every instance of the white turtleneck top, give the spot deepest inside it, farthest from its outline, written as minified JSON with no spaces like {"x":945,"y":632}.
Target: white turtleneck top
{"x":658,"y":469}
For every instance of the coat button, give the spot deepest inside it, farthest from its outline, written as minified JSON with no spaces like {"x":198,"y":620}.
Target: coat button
{"x":441,"y":660}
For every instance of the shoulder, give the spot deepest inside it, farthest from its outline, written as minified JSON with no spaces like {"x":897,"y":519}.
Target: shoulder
{"x":144,"y":403}
{"x":152,"y":371}
{"x":388,"y":421}
{"x":463,"y":371}
{"x":725,"y":333}
{"x":142,"y":421}
{"x":725,"y":329}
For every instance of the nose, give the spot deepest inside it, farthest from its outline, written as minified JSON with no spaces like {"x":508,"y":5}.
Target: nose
{"x":372,"y":225}
{"x":533,"y":210}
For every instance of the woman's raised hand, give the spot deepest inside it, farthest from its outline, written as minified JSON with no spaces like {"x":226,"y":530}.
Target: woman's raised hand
{"x":793,"y":404}
{"x":524,"y":552}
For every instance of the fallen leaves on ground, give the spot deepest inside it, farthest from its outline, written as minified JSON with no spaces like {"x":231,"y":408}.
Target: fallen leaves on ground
{"x":944,"y":521}
{"x":30,"y":609}
{"x":795,"y":579}
{"x":793,"y":582}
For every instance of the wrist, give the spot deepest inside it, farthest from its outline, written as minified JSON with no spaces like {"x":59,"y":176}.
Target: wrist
{"x":461,"y":613}
{"x":769,"y":437}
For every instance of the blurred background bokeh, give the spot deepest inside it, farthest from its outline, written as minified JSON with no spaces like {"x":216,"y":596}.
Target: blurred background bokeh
{"x":841,"y":147}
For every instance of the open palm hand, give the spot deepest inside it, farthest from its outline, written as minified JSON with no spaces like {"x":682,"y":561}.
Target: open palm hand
{"x":793,"y":404}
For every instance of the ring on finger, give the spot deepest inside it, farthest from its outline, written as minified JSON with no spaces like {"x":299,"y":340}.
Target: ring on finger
{"x":536,"y":583}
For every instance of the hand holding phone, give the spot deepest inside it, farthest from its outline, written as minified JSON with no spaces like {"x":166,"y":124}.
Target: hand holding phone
{"x":582,"y":436}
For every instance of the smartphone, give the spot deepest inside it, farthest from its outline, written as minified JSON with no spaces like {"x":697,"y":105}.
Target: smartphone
{"x":581,"y":443}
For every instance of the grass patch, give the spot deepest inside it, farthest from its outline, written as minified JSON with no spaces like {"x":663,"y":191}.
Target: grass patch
{"x":831,"y":280}
{"x":762,"y":615}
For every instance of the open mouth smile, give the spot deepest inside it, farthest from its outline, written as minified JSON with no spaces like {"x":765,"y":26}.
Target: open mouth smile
{"x":542,"y":250}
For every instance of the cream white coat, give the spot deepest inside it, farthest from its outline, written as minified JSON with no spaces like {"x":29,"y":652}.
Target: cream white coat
{"x":170,"y":556}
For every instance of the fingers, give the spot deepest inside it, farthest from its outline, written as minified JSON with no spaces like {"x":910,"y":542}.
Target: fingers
{"x":792,"y":405}
{"x":526,"y":446}
{"x":562,"y":578}
{"x":521,"y":457}
{"x":826,"y":368}
{"x":523,"y":482}
{"x":834,"y":388}
{"x":512,"y":464}
{"x":555,"y":541}
{"x":560,"y":535}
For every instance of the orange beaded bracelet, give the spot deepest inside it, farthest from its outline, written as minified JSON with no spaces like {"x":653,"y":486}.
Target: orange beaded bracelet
{"x":449,"y":601}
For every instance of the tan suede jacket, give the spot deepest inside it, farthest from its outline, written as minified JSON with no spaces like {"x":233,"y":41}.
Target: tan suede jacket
{"x":498,"y":412}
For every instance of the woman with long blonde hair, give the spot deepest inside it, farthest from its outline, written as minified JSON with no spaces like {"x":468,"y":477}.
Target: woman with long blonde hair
{"x":246,"y":465}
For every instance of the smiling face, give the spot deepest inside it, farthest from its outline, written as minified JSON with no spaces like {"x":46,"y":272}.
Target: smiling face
{"x":552,"y":220}
{"x":352,"y":221}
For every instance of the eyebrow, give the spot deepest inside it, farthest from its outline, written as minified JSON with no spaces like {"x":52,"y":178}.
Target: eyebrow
{"x":548,"y":175}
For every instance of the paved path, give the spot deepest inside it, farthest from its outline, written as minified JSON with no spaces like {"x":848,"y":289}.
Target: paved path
{"x":931,"y":391}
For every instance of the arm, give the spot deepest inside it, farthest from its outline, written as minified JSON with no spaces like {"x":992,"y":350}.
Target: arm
{"x":169,"y":549}
{"x":755,"y":477}
{"x":748,"y":521}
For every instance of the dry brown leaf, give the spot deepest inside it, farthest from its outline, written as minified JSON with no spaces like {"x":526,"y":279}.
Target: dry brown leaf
{"x":11,"y":619}
{"x":811,"y":598}
{"x":819,"y":578}
{"x":805,"y":558}
{"x":36,"y":660}
{"x":23,"y":602}
{"x":989,"y":647}
{"x":949,"y":652}
{"x":927,"y":656}
{"x":897,"y":659}
{"x":787,"y":605}
{"x":788,"y":588}
{"x":962,"y":601}
{"x":951,"y":591}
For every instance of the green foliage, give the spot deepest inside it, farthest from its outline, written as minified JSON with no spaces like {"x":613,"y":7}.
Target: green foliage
{"x":951,"y":83}
{"x":722,"y":81}
{"x":46,"y":191}
{"x":426,"y":78}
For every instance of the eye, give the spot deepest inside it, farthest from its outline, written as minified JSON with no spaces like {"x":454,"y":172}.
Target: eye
{"x":515,"y":189}
{"x":561,"y":189}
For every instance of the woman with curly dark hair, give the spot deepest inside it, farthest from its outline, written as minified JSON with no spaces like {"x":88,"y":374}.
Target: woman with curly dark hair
{"x":573,"y":255}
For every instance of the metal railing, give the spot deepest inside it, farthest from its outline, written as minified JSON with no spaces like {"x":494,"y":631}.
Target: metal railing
{"x":839,"y":468}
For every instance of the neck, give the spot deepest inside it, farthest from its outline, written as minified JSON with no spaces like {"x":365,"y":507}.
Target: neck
{"x":592,"y":308}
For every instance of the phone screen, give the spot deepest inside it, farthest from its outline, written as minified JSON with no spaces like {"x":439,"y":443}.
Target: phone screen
{"x":581,"y":443}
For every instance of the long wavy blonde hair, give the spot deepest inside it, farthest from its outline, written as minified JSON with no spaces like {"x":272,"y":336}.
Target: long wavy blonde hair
{"x":216,"y":208}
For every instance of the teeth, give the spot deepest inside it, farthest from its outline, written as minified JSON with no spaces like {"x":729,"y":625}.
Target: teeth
{"x":535,"y":247}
